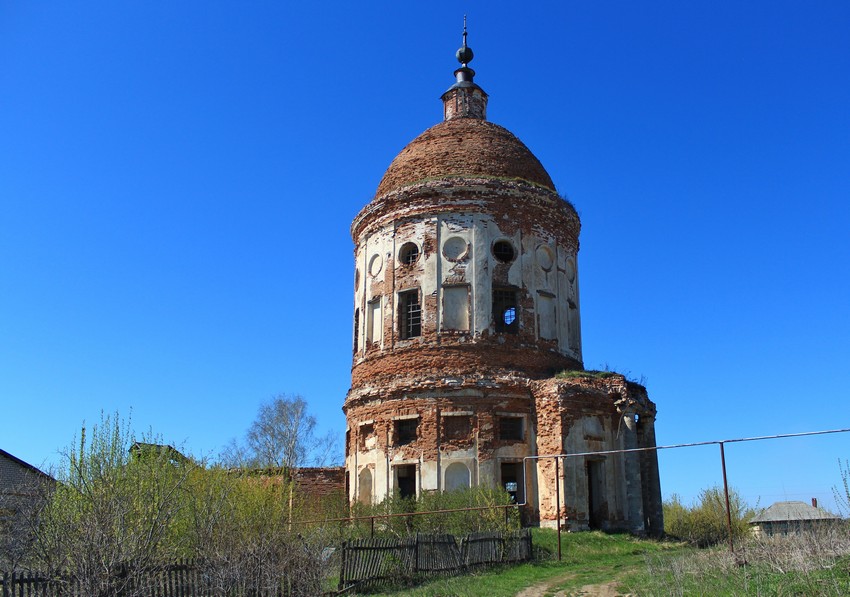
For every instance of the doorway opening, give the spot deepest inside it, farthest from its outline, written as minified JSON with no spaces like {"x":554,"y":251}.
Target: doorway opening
{"x":595,"y":493}
{"x":513,"y":481}
{"x":405,"y":477}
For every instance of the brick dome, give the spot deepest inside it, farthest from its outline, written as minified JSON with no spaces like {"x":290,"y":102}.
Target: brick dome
{"x":463,"y":147}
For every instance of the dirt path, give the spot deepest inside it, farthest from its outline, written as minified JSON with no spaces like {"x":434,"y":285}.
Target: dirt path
{"x":608,"y":589}
{"x":539,"y":589}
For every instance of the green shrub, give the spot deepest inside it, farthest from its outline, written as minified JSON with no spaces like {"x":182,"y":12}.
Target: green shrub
{"x":704,"y":523}
{"x":455,"y":523}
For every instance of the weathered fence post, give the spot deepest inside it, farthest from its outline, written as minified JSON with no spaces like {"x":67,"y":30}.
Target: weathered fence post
{"x":342,"y":567}
{"x":416,"y":554}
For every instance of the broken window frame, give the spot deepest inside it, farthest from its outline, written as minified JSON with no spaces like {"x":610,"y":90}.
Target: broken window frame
{"x":505,"y":300}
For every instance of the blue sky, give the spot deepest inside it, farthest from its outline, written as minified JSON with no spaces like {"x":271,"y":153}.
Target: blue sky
{"x":177,"y":182}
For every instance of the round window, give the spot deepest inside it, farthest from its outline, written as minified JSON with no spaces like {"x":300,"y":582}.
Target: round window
{"x":503,"y":251}
{"x":408,"y":254}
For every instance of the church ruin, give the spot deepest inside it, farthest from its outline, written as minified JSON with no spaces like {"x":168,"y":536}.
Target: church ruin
{"x":466,"y":306}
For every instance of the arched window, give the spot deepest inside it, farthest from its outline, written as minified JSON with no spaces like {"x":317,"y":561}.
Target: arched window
{"x":457,"y":476}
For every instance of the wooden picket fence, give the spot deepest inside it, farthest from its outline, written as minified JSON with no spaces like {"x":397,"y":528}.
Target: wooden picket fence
{"x":377,"y":560}
{"x":183,"y":579}
{"x":362,"y":562}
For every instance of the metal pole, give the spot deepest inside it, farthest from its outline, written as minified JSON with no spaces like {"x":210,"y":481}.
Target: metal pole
{"x":558,"y":502}
{"x":726,"y":491}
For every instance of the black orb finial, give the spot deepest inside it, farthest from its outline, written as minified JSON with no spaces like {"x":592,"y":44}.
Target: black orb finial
{"x":464,"y":54}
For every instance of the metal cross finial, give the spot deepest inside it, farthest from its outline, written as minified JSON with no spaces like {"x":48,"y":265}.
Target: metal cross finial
{"x":464,"y":31}
{"x":464,"y":54}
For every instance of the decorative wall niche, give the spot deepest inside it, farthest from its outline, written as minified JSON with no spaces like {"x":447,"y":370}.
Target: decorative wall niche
{"x":545,"y":257}
{"x":376,"y":263}
{"x":456,"y":308}
{"x":456,"y":249}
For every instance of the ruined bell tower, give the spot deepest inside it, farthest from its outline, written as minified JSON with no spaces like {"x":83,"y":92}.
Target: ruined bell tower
{"x":466,"y":306}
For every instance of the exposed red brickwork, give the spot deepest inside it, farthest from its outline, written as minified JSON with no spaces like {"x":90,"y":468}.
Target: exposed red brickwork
{"x":483,"y":427}
{"x":563,"y":402}
{"x":519,"y":205}
{"x":480,"y":359}
{"x":320,"y":481}
{"x":463,"y":146}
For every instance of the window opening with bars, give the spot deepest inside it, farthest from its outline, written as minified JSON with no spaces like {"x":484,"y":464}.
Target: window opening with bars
{"x":503,"y":251}
{"x":510,"y":428}
{"x":408,"y":254}
{"x":410,"y":314}
{"x":405,"y":431}
{"x":505,"y":312}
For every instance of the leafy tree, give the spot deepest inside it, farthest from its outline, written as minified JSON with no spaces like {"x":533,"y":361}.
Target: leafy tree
{"x":283,"y":435}
{"x":240,"y":531}
{"x":112,"y":515}
{"x":124,"y":508}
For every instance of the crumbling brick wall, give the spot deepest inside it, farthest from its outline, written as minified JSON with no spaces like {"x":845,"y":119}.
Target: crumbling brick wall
{"x":319,"y":481}
{"x":594,"y":414}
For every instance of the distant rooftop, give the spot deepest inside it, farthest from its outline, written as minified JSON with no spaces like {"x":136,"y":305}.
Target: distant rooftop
{"x":792,"y":511}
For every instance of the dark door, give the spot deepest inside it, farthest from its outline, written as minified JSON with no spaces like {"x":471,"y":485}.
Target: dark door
{"x":406,"y":476}
{"x":595,"y":494}
{"x":512,"y":480}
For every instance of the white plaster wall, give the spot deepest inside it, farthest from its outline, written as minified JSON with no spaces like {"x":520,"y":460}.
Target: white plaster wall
{"x":372,"y":257}
{"x":594,"y":434}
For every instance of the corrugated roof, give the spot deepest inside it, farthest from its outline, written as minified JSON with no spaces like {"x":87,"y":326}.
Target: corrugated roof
{"x":792,"y":511}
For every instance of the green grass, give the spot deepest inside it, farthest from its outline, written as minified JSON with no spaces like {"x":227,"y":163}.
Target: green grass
{"x":587,"y":558}
{"x":786,"y":566}
{"x":589,"y":373}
